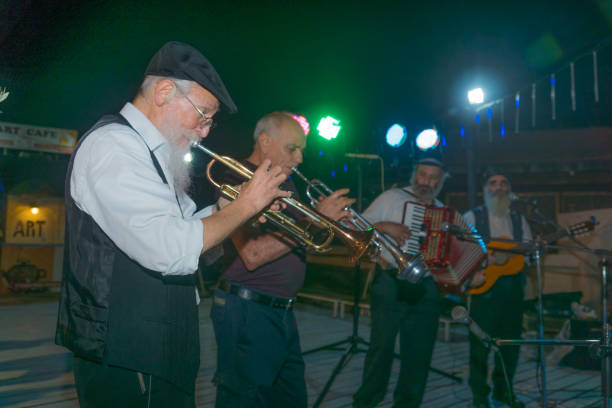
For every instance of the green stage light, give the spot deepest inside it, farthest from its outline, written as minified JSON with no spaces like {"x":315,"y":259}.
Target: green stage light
{"x":328,"y":128}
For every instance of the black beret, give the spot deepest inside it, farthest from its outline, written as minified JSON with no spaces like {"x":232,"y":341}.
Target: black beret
{"x":181,"y":61}
{"x":494,"y":171}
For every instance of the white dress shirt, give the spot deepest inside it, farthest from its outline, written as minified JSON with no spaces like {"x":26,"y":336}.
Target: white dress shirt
{"x":115,"y":182}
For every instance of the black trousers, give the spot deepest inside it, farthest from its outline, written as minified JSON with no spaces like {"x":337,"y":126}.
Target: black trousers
{"x":259,"y":358}
{"x":413,"y":311}
{"x":100,"y":386}
{"x":499,"y":312}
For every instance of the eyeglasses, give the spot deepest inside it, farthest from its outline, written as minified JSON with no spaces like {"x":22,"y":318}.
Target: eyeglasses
{"x":206,"y":121}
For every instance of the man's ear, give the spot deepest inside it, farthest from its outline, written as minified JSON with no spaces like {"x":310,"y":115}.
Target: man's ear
{"x":163,"y":92}
{"x":264,"y":139}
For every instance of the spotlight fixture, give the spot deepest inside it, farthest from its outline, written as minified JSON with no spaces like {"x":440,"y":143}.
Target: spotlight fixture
{"x":329,"y":127}
{"x":396,"y":135}
{"x":428,"y":139}
{"x":475,"y":96}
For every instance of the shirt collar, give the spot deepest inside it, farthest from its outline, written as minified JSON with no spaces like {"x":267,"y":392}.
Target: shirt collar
{"x":151,"y":135}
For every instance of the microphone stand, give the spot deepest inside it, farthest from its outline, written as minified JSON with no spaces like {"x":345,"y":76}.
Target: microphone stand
{"x":354,"y":340}
{"x":604,"y":342}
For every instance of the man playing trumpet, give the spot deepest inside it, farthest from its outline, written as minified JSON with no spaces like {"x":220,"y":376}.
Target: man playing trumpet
{"x":128,"y":307}
{"x":259,"y":358}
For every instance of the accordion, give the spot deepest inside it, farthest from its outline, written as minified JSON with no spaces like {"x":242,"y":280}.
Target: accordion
{"x":451,"y":261}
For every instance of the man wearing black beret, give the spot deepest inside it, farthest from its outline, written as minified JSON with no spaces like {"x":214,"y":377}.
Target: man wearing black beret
{"x":499,"y":310}
{"x":128,"y":307}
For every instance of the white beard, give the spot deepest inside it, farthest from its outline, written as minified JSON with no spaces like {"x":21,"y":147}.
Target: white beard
{"x":425,"y":192}
{"x":497,"y":204}
{"x":180,"y":170}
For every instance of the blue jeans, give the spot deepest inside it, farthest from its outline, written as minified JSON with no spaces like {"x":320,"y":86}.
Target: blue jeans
{"x":259,"y":358}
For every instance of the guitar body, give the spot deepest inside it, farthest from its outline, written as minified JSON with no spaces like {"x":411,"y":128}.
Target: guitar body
{"x":511,"y":266}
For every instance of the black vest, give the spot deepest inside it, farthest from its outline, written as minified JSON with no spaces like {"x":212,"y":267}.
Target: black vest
{"x":481,"y":216}
{"x":116,"y":312}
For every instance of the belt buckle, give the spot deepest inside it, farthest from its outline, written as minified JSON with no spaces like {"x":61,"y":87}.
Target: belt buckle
{"x":289,"y":304}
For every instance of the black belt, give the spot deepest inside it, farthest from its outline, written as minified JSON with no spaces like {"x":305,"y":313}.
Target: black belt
{"x":257,"y":297}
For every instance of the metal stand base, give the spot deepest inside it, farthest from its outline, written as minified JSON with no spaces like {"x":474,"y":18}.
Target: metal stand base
{"x":353,"y":342}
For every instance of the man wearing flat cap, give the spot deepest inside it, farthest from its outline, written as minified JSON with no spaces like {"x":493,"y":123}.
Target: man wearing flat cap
{"x":128,"y":308}
{"x":412,"y":310}
{"x":499,"y":310}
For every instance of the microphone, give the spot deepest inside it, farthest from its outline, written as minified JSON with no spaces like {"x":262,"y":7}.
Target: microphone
{"x":362,"y":156}
{"x":528,"y":201}
{"x":455,"y":229}
{"x":461,"y":315}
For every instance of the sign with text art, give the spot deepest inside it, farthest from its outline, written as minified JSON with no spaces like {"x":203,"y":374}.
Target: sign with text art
{"x":44,"y":139}
{"x":34,"y":220}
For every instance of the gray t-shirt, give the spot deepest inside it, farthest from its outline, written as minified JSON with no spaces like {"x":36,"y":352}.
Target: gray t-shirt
{"x":283,"y":276}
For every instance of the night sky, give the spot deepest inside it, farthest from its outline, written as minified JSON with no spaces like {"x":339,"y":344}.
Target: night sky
{"x":368,"y":64}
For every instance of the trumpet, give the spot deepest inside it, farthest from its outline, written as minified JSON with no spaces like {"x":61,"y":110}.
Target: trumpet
{"x":410,"y":267}
{"x":356,"y":241}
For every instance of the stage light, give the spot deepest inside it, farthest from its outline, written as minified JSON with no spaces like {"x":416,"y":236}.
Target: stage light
{"x":427,"y":139}
{"x":34,"y":210}
{"x":303,"y":123}
{"x":328,"y":128}
{"x":188,"y":157}
{"x":475,"y":96}
{"x":396,"y":135}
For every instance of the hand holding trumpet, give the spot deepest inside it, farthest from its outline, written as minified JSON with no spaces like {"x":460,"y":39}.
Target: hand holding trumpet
{"x":261,"y":190}
{"x":335,"y":205}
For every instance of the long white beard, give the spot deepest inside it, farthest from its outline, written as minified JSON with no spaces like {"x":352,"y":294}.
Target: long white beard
{"x":497,"y":204}
{"x":180,"y":170}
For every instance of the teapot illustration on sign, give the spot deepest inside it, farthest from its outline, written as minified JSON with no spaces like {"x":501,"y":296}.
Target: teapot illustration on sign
{"x":24,"y":272}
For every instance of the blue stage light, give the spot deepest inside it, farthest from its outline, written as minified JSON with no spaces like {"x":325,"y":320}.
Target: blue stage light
{"x":396,"y":135}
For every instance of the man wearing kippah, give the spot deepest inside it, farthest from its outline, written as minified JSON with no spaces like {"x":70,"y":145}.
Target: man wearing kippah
{"x":128,"y":307}
{"x":412,"y":310}
{"x":498,"y":311}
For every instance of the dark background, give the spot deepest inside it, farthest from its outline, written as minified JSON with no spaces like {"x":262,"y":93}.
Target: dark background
{"x":368,"y":64}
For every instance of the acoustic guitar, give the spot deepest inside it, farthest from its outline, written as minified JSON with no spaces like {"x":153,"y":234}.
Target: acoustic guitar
{"x":508,"y":262}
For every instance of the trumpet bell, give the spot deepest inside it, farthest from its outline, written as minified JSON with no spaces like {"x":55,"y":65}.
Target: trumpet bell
{"x":358,"y":242}
{"x":413,"y":270}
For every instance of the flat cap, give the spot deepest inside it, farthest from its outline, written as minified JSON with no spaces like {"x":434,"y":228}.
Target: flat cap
{"x":182,"y":61}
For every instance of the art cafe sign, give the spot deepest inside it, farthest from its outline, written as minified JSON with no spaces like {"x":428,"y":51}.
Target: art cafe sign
{"x":25,"y":137}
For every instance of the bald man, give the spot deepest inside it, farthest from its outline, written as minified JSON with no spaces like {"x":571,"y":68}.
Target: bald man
{"x":259,"y":359}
